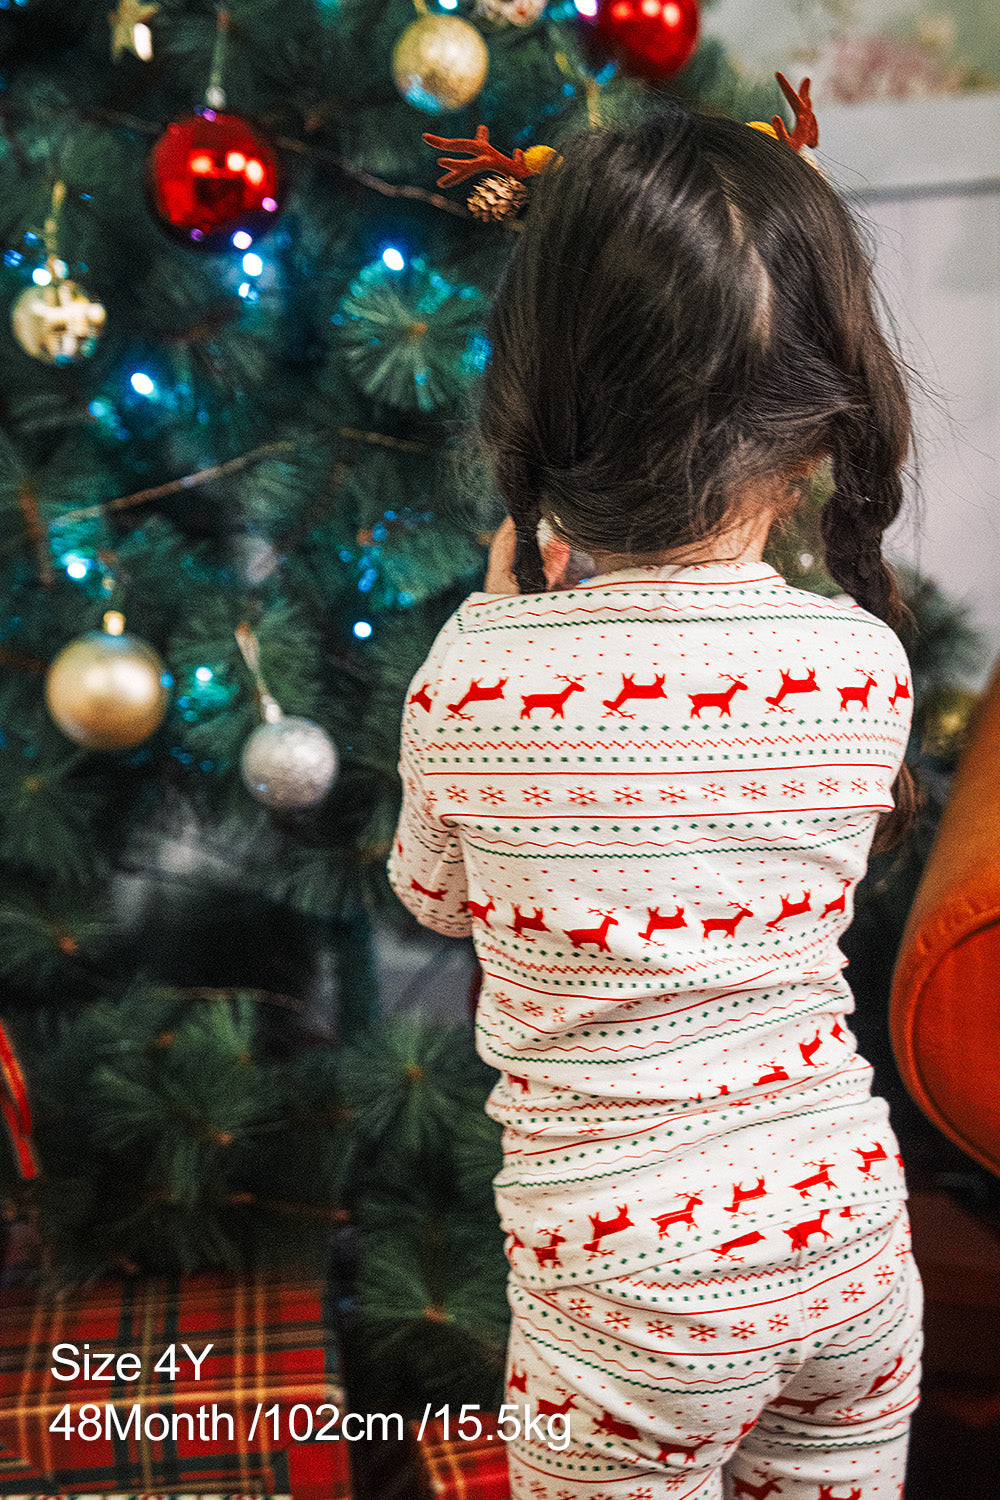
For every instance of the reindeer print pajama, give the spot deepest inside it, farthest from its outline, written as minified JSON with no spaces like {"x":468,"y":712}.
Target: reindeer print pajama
{"x":649,"y":799}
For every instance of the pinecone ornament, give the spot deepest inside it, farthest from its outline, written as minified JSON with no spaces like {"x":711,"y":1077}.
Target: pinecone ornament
{"x":496,"y":198}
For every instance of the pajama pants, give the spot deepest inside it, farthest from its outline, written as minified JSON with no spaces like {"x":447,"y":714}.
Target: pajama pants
{"x":775,"y":1375}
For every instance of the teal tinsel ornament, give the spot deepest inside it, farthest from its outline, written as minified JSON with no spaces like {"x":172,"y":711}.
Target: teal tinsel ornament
{"x":411,"y":338}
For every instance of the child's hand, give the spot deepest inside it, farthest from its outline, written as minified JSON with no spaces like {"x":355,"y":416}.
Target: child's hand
{"x":500,"y":568}
{"x":564,"y":566}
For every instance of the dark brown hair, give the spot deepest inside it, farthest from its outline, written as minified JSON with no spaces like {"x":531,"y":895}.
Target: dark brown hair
{"x":688,"y":310}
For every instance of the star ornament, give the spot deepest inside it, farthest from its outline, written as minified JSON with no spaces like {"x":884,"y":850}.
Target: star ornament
{"x":129,"y":32}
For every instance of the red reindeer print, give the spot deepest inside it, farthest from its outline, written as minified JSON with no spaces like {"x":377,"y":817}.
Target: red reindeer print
{"x":516,"y":1078}
{"x":838,"y":903}
{"x":776,"y":1075}
{"x":742,"y":1242}
{"x":479,"y":909}
{"x":901,"y":690}
{"x":610,"y":1425}
{"x":856,"y":694}
{"x":869,"y":1158}
{"x":632,"y":689}
{"x":599,"y":935}
{"x":422,"y":697}
{"x":522,"y":924}
{"x":799,"y":1234}
{"x":808,"y":1407}
{"x":826,"y":1493}
{"x":820,"y":1178}
{"x":789,"y":684}
{"x":809,"y":1048}
{"x":423,"y":891}
{"x":656,"y":923}
{"x":600,"y":1227}
{"x":720,"y":700}
{"x":518,"y":1380}
{"x":683,"y":1215}
{"x":743,"y":1487}
{"x":555,"y":702}
{"x":882,"y":1380}
{"x":688,"y":1451}
{"x":476,"y":693}
{"x":789,"y":908}
{"x":548,"y":1255}
{"x":514,"y":1242}
{"x":837,"y":1032}
{"x":743,"y":1195}
{"x":555,"y":1408}
{"x":727,"y":925}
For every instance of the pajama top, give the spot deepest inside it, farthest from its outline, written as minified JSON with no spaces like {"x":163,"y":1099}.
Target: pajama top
{"x":649,"y":799}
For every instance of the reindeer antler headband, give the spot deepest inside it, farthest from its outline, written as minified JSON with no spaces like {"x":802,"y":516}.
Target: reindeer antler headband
{"x":806,"y":130}
{"x":500,"y":196}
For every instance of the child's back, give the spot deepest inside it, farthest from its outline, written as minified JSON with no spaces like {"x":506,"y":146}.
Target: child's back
{"x":653,"y":796}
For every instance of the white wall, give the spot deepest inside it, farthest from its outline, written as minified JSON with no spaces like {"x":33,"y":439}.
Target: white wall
{"x":925,"y":175}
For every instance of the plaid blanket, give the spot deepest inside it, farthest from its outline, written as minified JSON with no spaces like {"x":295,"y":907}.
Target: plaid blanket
{"x":175,"y":1414}
{"x":456,"y":1470}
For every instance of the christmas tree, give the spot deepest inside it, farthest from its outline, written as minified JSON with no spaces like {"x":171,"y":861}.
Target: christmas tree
{"x":242,"y":356}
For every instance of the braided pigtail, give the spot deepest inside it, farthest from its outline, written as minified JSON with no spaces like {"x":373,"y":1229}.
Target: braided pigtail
{"x":870,"y":445}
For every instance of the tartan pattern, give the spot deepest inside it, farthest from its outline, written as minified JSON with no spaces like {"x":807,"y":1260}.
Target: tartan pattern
{"x":268,"y":1340}
{"x":456,"y":1470}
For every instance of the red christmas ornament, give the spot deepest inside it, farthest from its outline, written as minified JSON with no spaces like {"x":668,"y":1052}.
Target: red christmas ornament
{"x":653,"y":38}
{"x":211,"y":174}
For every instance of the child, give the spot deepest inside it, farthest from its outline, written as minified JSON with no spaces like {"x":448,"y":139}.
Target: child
{"x":649,"y":796}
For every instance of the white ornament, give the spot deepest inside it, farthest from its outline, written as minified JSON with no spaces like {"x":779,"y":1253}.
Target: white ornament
{"x":510,"y":12}
{"x":289,"y":763}
{"x":57,"y":323}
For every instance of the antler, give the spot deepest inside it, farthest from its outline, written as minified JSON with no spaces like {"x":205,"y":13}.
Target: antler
{"x":806,"y":132}
{"x":484,"y":155}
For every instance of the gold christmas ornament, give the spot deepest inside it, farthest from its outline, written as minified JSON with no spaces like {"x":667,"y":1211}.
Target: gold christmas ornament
{"x":496,"y":198}
{"x":129,"y":32}
{"x":440,"y":63}
{"x":58,"y":323}
{"x":107,"y":692}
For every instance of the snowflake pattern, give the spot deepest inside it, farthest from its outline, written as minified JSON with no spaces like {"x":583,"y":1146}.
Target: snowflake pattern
{"x":743,"y":1330}
{"x":859,"y":786}
{"x":672,"y":794}
{"x":617,"y":1320}
{"x":661,"y":1330}
{"x":457,"y":793}
{"x":777,"y":1323}
{"x":853,"y":1291}
{"x":628,"y":795}
{"x":532,"y":1008}
{"x":579,"y":1308}
{"x":818,"y":1308}
{"x":644,"y":1494}
{"x":793,"y":788}
{"x":492,"y":794}
{"x":850,"y":1414}
{"x":703,"y":1332}
{"x":884,"y":1275}
{"x":753,"y":790}
{"x":714,"y":790}
{"x":828,"y":784}
{"x":537,"y":795}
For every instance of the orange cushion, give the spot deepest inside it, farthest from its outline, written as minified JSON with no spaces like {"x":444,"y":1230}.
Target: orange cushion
{"x":945,"y":1016}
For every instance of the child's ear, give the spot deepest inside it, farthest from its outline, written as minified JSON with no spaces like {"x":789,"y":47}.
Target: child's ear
{"x":555,"y":557}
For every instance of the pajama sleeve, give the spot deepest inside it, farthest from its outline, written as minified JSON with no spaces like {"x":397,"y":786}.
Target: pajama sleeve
{"x":426,"y":868}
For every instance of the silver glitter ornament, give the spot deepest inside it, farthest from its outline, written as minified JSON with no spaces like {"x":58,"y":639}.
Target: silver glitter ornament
{"x":289,"y":763}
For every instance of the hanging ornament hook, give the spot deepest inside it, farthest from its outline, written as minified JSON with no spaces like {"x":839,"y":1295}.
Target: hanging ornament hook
{"x":249,"y":646}
{"x":215,"y":94}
